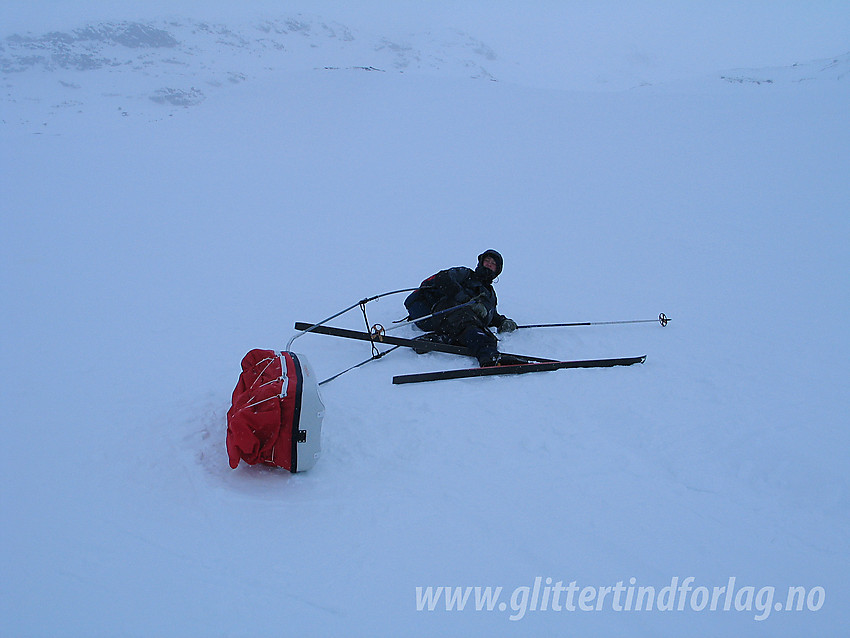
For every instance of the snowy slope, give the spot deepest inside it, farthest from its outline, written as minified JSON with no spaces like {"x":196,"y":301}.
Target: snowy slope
{"x":144,"y":69}
{"x":144,"y":254}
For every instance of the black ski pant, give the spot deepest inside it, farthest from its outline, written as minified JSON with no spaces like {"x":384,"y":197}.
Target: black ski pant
{"x":481,"y":342}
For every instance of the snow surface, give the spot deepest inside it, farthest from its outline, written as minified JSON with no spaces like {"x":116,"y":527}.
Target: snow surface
{"x":293,"y":166}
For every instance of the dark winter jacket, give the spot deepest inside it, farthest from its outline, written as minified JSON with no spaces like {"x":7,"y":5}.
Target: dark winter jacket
{"x":450,"y":288}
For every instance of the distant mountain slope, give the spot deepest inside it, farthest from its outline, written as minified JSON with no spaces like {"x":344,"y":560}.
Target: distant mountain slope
{"x":837,"y":68}
{"x":181,"y":62}
{"x":142,"y":45}
{"x":141,"y":67}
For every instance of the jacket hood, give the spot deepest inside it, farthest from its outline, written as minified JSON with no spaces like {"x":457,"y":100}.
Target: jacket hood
{"x":496,"y":256}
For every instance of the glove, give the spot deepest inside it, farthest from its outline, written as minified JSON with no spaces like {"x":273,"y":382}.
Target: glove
{"x":479,"y":310}
{"x":507,"y":325}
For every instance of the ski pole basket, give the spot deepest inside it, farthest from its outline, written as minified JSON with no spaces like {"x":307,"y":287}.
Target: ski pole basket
{"x":276,"y":414}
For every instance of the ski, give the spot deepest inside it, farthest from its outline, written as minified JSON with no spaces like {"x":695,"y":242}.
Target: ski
{"x":401,"y":341}
{"x":521,"y":368}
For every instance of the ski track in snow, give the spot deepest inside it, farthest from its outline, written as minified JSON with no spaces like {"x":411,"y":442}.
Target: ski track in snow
{"x":193,"y":189}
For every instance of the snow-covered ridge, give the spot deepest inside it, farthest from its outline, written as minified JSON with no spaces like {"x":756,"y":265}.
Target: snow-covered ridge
{"x":837,"y":68}
{"x":181,"y":62}
{"x":150,"y":68}
{"x":139,"y":45}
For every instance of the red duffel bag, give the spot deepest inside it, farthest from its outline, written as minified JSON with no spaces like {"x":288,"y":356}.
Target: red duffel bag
{"x":276,"y":414}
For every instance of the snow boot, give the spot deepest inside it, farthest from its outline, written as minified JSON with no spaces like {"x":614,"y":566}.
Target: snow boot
{"x":489,"y":358}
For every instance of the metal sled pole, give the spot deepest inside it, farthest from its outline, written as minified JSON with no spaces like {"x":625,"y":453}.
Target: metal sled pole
{"x":342,"y":312}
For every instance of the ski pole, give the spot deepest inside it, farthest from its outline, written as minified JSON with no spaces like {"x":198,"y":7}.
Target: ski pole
{"x":433,"y":314}
{"x":662,"y":319}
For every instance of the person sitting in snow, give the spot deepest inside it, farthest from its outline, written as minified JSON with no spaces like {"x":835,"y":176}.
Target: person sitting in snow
{"x":468,"y":325}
